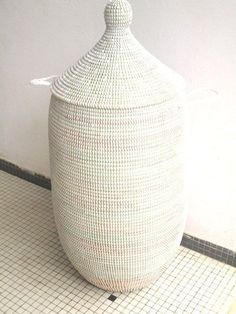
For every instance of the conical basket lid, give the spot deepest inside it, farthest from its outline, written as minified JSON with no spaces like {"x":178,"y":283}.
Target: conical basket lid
{"x":118,"y":72}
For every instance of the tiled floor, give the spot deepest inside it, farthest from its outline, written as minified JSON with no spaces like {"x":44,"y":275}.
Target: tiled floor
{"x":36,"y":277}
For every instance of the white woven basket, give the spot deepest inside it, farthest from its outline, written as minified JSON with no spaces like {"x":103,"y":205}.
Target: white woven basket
{"x":116,"y":135}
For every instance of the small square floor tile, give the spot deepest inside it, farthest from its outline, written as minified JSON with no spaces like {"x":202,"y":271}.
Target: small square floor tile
{"x":112,"y":298}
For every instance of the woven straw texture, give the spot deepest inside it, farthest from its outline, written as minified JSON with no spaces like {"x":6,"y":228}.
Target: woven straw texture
{"x":116,"y":152}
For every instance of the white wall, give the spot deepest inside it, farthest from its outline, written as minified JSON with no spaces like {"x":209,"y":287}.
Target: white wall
{"x":195,"y":37}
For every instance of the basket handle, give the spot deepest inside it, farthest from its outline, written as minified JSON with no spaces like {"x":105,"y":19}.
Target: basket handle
{"x":44,"y":81}
{"x":201,"y":94}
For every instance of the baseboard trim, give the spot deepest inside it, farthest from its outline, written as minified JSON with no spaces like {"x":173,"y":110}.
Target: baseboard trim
{"x":204,"y":247}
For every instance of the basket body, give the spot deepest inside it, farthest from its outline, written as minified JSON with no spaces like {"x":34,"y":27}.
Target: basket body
{"x":117,"y":185}
{"x":116,"y":152}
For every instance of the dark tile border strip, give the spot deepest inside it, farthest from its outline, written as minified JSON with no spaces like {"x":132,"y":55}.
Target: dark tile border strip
{"x":25,"y":174}
{"x":204,"y":247}
{"x":209,"y":249}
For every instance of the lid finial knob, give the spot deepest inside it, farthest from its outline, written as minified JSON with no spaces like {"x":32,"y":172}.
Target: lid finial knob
{"x":118,"y":13}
